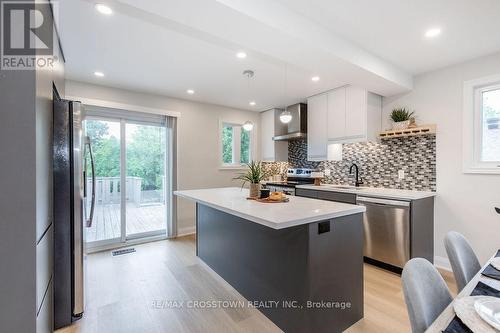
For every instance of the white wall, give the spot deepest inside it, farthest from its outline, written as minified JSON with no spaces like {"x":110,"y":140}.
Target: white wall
{"x":464,"y":202}
{"x":198,"y":126}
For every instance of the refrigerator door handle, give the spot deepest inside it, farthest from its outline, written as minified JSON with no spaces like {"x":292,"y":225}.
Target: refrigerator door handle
{"x":92,"y":165}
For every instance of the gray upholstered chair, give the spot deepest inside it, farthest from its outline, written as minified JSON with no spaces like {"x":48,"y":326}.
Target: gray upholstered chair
{"x":426,"y":294}
{"x":462,"y":258}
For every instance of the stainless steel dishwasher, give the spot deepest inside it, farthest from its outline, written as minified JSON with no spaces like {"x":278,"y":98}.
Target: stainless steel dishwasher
{"x":387,"y":230}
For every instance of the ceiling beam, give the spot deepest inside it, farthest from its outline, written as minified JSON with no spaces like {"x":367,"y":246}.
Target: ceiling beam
{"x":269,"y":30}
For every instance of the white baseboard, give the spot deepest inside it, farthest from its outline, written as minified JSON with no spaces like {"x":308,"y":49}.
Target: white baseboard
{"x":442,"y":263}
{"x":186,"y":231}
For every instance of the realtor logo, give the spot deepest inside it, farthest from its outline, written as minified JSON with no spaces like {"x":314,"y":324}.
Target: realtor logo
{"x":27,"y":35}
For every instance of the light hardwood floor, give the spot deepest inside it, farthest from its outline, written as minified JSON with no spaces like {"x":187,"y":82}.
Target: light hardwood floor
{"x":128,"y":293}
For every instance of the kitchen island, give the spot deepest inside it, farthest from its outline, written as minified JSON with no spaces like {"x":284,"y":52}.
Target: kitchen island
{"x":300,"y":263}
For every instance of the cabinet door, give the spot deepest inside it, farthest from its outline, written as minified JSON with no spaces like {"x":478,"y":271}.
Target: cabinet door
{"x":267,"y":133}
{"x":336,"y":113}
{"x":337,"y":196}
{"x":306,"y":193}
{"x":356,"y":111}
{"x":317,"y":136}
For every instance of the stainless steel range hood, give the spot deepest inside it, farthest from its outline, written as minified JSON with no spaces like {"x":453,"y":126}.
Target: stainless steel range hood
{"x":297,"y":127}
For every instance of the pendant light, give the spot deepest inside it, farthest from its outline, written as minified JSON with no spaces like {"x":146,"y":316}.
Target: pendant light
{"x":249,"y":74}
{"x":248,"y":125}
{"x":285,"y":116}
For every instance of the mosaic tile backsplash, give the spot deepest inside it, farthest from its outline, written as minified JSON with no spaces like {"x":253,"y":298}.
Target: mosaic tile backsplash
{"x":379,"y":163}
{"x":275,"y":168}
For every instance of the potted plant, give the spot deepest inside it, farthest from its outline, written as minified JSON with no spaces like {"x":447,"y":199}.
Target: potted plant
{"x":254,"y":176}
{"x":401,"y":118}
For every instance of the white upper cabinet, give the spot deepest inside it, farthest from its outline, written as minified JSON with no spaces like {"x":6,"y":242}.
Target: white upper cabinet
{"x":336,"y":113}
{"x":272,"y":151}
{"x":356,"y":113}
{"x":343,"y":115}
{"x":317,"y":129}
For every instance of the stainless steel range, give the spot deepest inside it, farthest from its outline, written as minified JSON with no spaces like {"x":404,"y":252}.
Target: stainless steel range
{"x":294,"y":177}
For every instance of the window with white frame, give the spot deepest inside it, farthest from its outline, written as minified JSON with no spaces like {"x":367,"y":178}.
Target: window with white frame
{"x":482,"y":126}
{"x":236,"y":144}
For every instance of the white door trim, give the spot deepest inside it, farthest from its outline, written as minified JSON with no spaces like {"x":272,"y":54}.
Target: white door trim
{"x":123,"y":106}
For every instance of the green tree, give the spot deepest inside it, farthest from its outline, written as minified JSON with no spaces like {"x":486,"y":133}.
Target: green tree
{"x":145,"y":153}
{"x":490,"y":112}
{"x":106,"y":149}
{"x":146,"y":156}
{"x":97,"y":130}
{"x":491,"y":107}
{"x":227,"y":144}
{"x":245,"y":147}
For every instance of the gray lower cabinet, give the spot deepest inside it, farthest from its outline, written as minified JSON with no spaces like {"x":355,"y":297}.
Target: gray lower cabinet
{"x":337,"y":196}
{"x":306,"y":193}
{"x":422,"y":228}
{"x":327,"y":195}
{"x":418,"y":228}
{"x":44,"y":288}
{"x":44,"y":321}
{"x":44,"y":265}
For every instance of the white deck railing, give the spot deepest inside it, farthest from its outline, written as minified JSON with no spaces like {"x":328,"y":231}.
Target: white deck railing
{"x":108,"y":191}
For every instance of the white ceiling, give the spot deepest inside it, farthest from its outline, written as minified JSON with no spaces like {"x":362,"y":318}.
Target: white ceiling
{"x":394,"y":29}
{"x":169,"y":46}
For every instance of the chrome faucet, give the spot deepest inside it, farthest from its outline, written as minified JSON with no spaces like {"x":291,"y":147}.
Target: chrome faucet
{"x":359,"y":181}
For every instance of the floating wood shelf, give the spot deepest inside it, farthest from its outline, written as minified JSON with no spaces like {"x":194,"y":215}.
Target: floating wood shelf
{"x":421,"y":130}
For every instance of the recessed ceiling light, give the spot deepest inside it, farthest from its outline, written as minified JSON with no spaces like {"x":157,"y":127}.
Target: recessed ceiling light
{"x":190,"y":91}
{"x":103,"y":9}
{"x":252,"y":103}
{"x":241,"y":55}
{"x":433,"y":32}
{"x":99,"y":74}
{"x":315,"y":78}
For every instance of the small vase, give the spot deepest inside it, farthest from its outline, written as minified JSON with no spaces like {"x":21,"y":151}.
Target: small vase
{"x":400,"y":125}
{"x":254,"y":190}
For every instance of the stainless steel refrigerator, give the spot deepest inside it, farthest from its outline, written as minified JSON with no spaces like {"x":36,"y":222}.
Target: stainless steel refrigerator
{"x":71,"y":150}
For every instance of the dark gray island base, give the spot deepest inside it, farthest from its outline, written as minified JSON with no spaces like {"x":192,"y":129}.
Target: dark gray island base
{"x":287,"y":269}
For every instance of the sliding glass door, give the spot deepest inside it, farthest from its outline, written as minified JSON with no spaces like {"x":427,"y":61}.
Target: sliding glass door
{"x":104,"y":137}
{"x":145,"y":161}
{"x":130,"y":158}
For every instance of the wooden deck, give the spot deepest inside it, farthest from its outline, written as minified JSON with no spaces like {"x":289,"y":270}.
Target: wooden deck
{"x":139,"y":219}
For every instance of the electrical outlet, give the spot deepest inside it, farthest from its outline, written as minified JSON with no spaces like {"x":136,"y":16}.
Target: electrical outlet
{"x":401,"y":174}
{"x":328,"y":172}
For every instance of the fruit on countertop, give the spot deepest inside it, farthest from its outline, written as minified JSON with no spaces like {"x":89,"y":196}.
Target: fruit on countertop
{"x":277,"y":196}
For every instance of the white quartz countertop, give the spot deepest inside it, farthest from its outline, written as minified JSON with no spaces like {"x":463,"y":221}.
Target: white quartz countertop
{"x":377,"y":192}
{"x":297,"y":211}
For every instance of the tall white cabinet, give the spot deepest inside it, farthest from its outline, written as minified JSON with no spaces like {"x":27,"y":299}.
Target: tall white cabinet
{"x":344,"y":115}
{"x":272,"y":151}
